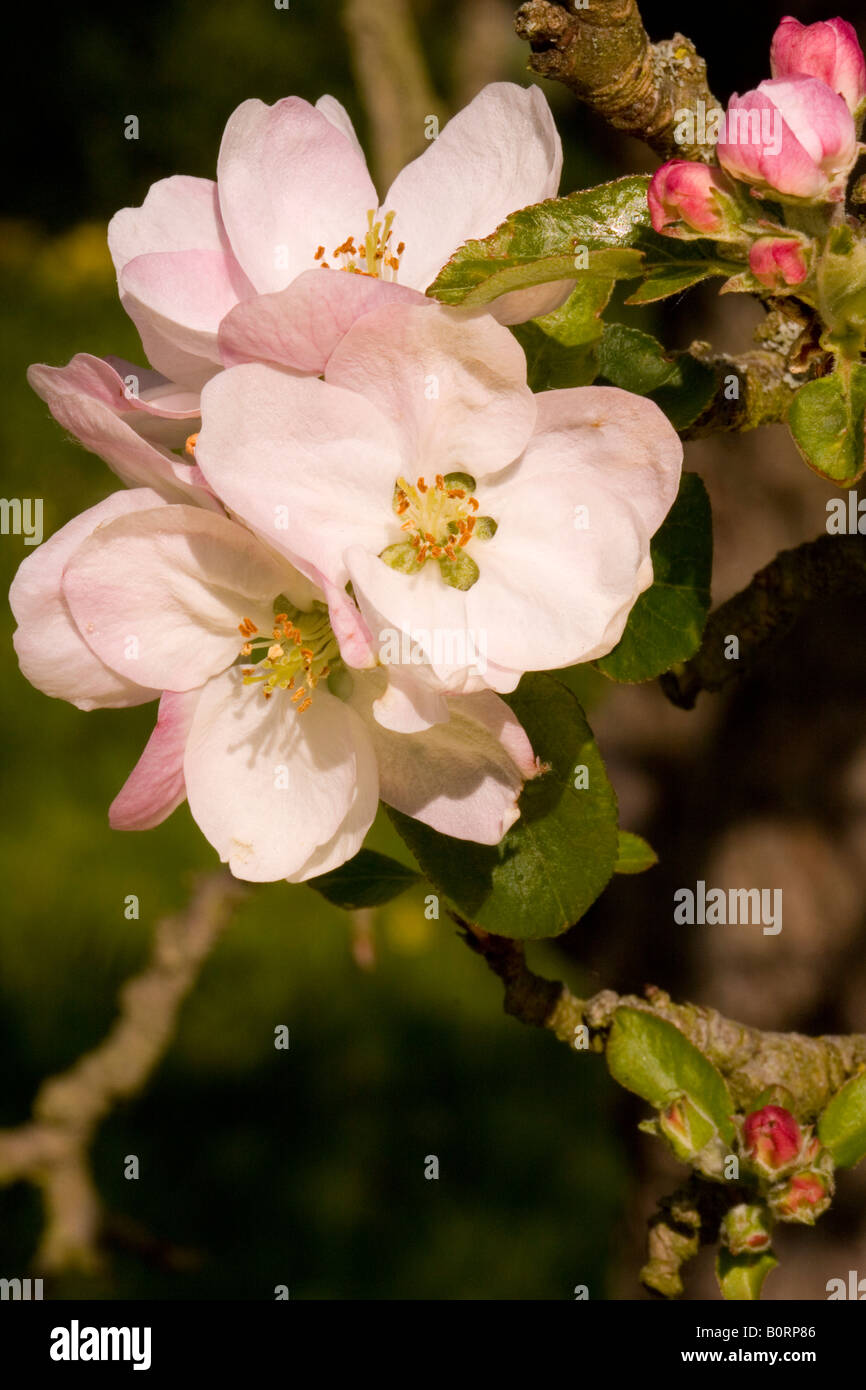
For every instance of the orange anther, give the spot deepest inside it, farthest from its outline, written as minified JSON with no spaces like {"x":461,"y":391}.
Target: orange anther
{"x":189,"y":446}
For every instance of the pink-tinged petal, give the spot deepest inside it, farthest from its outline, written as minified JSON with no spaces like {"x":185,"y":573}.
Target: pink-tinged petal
{"x":500,"y":153}
{"x":51,"y":651}
{"x":348,"y":626}
{"x":87,"y":398}
{"x":144,"y":390}
{"x":461,"y":777}
{"x":308,"y":465}
{"x":828,"y":50}
{"x":453,"y":384}
{"x":818,"y":117}
{"x":626,"y":441}
{"x":300,"y":326}
{"x":183,"y":296}
{"x":163,"y":593}
{"x":792,"y":136}
{"x":557,"y":583}
{"x":155,"y":787}
{"x":289,"y":182}
{"x":339,"y":117}
{"x":187,"y":368}
{"x":178,"y":214}
{"x":531,"y":303}
{"x":407,"y":705}
{"x":270,"y":787}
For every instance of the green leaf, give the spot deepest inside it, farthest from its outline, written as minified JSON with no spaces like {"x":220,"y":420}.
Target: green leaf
{"x":634,"y":854}
{"x":842,"y":1126}
{"x":654,"y":1059}
{"x":368,"y":880}
{"x":826,"y":420}
{"x":672,"y":265}
{"x":667,"y":622}
{"x":741,"y":1277}
{"x":561,"y":347}
{"x":557,"y":858}
{"x":680,"y":385}
{"x":546,"y":242}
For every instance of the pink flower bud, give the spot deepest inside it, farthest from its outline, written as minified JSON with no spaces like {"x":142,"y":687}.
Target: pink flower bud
{"x":771,"y":1137}
{"x":778,"y":261}
{"x":792,"y":137}
{"x":689,"y":198}
{"x":803,"y":1199}
{"x":827,"y":50}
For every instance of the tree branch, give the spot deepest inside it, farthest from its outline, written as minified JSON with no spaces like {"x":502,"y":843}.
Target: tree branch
{"x":52,"y":1149}
{"x":603,"y":55}
{"x":766,"y":610}
{"x":393,"y":78}
{"x":812,"y":1069}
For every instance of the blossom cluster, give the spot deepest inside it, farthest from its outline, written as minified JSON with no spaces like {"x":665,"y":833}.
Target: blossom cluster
{"x":319,"y":464}
{"x":788,"y":146}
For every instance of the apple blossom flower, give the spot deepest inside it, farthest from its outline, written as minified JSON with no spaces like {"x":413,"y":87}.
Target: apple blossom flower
{"x":792,"y":138}
{"x":133,"y":418}
{"x":423,"y":472}
{"x":691,"y":199}
{"x":779,"y":261}
{"x":294,"y":204}
{"x":261,"y":727}
{"x":828,"y":50}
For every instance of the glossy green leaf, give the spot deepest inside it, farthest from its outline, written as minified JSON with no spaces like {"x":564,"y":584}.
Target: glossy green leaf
{"x":826,"y":420}
{"x":634,"y":854}
{"x":671,"y":265}
{"x":562,"y":348}
{"x":558,"y":857}
{"x":368,"y":880}
{"x":654,"y":1059}
{"x":680,"y":385}
{"x":667,"y":622}
{"x":590,"y":232}
{"x":741,"y":1277}
{"x":842,"y":1126}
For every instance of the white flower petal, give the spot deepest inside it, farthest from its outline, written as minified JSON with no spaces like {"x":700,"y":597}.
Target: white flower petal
{"x":162,"y":593}
{"x":500,"y":153}
{"x":51,"y":651}
{"x":270,"y":787}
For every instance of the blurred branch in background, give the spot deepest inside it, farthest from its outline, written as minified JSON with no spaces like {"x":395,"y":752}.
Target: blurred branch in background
{"x":393,"y":79}
{"x":51,"y":1150}
{"x":481,"y":48}
{"x":820,"y":570}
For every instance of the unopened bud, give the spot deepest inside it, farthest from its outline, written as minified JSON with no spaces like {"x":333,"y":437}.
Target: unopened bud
{"x":804,"y":1198}
{"x":687,"y":199}
{"x":772,"y":1139}
{"x":746,"y":1229}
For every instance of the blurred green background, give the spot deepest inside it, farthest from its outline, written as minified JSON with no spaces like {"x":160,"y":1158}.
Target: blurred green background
{"x":260,"y":1167}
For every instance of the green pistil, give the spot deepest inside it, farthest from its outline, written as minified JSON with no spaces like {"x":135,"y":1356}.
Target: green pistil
{"x":440,"y":519}
{"x":301,"y":651}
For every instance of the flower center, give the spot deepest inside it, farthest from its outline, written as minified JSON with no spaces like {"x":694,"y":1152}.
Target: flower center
{"x":301,"y":651}
{"x":440,"y":520}
{"x":373,"y":253}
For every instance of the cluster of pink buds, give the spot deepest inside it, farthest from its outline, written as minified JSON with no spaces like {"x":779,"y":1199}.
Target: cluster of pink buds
{"x":794,"y":141}
{"x":789,"y":1161}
